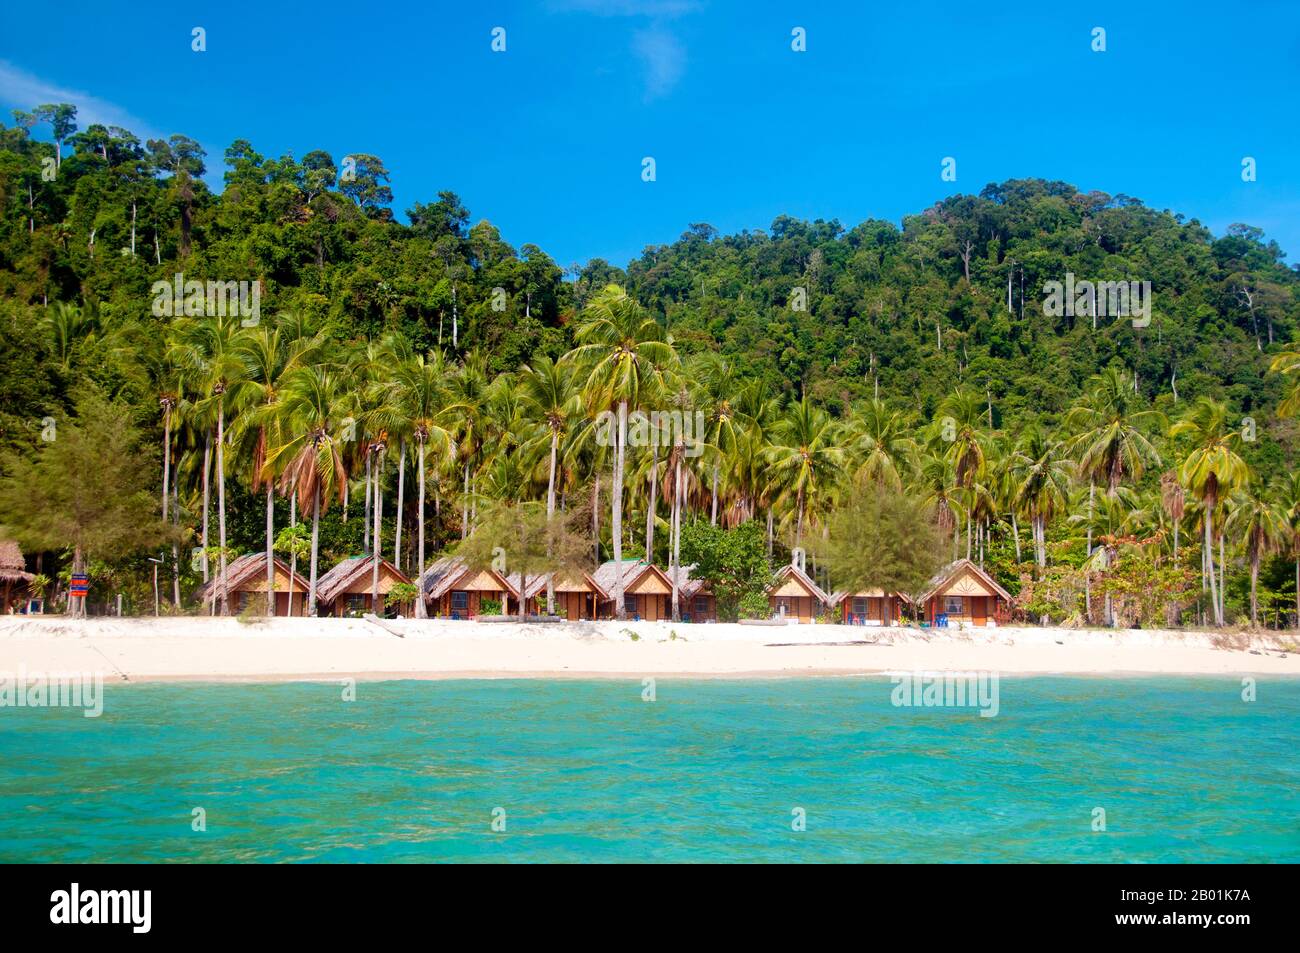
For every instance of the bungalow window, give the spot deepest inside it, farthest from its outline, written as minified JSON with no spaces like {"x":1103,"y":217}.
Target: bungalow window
{"x":784,"y":605}
{"x":460,"y":600}
{"x":860,"y":605}
{"x":701,"y":605}
{"x":629,"y":604}
{"x":356,"y":602}
{"x":954,"y":605}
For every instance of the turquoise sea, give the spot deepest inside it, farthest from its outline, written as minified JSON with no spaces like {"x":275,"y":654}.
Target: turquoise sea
{"x":1185,"y":770}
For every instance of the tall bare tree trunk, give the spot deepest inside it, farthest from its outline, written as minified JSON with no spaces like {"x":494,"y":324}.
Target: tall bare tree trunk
{"x":677,"y":537}
{"x":293,"y":555}
{"x":713,"y":517}
{"x":221,"y":500}
{"x":207,"y":479}
{"x":315,"y":549}
{"x":464,"y":509}
{"x":550,"y":514}
{"x":401,"y":499}
{"x":378,"y":551}
{"x":365,"y":532}
{"x":1209,"y":551}
{"x":650,"y":508}
{"x":270,"y":549}
{"x":421,"y":611}
{"x":616,"y":517}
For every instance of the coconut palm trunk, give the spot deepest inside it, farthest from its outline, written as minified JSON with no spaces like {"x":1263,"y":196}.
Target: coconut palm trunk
{"x":378,"y":553}
{"x":401,"y":500}
{"x":293,"y":555}
{"x":550,"y":514}
{"x":713,"y":516}
{"x":207,"y":495}
{"x":677,"y":536}
{"x":221,"y":501}
{"x":464,"y":507}
{"x":1254,"y":585}
{"x":365,"y":533}
{"x":167,"y":458}
{"x":616,"y":515}
{"x":650,"y":507}
{"x":420,"y":611}
{"x":1222,"y":588}
{"x":270,"y":549}
{"x":1209,"y":555}
{"x":315,"y":551}
{"x":176,"y":551}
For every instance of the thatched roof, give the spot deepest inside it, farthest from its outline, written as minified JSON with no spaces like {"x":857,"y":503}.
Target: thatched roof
{"x":11,"y":563}
{"x":945,"y":577}
{"x":246,"y":569}
{"x":841,"y":594}
{"x":804,"y":580}
{"x":353,"y":569}
{"x":537,"y":584}
{"x":630,"y":569}
{"x":442,"y":575}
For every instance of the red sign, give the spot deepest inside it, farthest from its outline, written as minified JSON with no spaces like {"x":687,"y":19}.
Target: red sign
{"x":80,"y":585}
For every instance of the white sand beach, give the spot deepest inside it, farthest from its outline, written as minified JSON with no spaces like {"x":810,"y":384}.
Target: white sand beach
{"x":207,"y":649}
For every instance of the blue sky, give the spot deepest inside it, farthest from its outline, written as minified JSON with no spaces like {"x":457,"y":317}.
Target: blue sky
{"x":546,"y":140}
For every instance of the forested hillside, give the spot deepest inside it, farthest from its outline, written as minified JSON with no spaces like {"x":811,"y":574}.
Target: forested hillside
{"x":886,"y":331}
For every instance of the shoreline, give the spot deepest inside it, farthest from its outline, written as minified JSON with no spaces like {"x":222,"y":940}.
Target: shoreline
{"x":227,"y":650}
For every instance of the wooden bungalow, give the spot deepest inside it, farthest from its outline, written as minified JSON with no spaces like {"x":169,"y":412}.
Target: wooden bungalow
{"x":246,"y":582}
{"x":576,"y":597}
{"x":452,"y":590}
{"x":870,"y":607}
{"x":795,"y":596}
{"x":965,"y":595}
{"x":345,"y":590}
{"x":647,"y":590}
{"x":696,"y":600}
{"x":15,"y":580}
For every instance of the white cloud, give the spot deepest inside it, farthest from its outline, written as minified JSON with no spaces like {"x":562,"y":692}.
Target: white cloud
{"x":21,"y":90}
{"x":662,"y":57}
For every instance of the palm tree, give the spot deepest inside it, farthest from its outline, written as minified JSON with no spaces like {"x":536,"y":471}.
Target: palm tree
{"x":1173,"y":502}
{"x":313,"y":465}
{"x":938,"y":486}
{"x":1111,"y":441}
{"x":622,"y":353}
{"x":268,"y":353}
{"x":1290,"y":507}
{"x":1111,"y":430}
{"x":209,"y":349}
{"x":1211,"y":470}
{"x":552,"y":402}
{"x":880,"y":442}
{"x":294,"y":541}
{"x":961,"y":416}
{"x":805,"y":449}
{"x":467,"y":401}
{"x":416,"y":407}
{"x":1042,"y":475}
{"x":718,"y":385}
{"x":1288,"y":362}
{"x":1261,"y":525}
